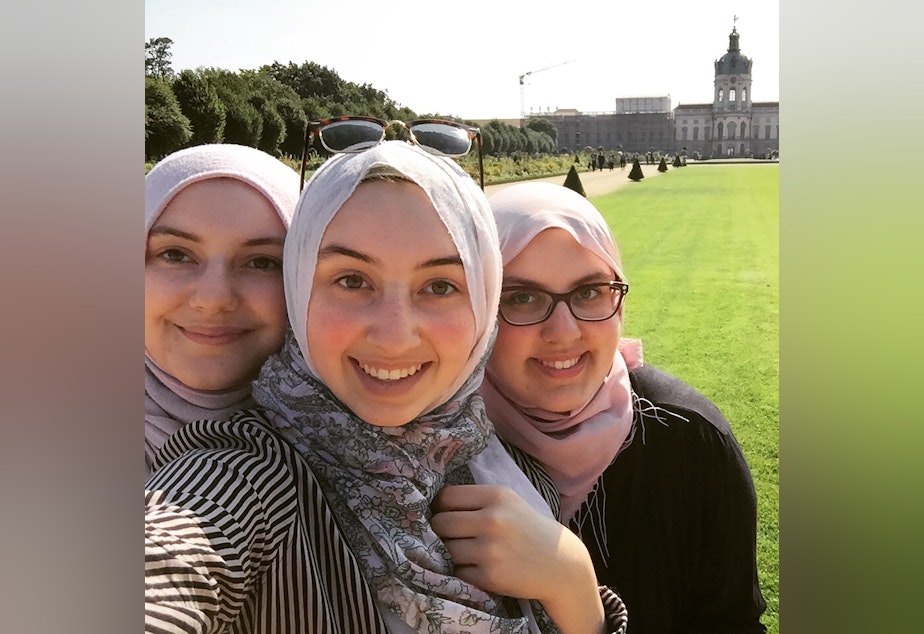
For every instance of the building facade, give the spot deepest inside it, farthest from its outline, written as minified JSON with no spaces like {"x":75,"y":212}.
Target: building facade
{"x":731,"y":126}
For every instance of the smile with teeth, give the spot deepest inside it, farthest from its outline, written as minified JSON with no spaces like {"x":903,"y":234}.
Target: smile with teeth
{"x":560,"y":365}
{"x":390,"y":375}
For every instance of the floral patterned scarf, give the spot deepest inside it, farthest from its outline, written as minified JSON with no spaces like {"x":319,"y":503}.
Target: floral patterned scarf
{"x":380,"y":482}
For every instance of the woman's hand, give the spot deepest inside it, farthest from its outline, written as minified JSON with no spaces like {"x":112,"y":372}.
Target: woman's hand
{"x":502,"y":545}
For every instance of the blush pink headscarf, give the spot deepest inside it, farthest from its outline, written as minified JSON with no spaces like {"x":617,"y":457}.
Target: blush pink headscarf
{"x":169,"y":403}
{"x":578,"y":446}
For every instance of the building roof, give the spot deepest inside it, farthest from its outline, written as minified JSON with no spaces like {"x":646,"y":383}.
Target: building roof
{"x":733,"y":62}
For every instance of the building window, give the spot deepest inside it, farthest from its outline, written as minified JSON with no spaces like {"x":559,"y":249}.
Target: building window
{"x":731,"y":94}
{"x":718,"y":131}
{"x":744,"y":130}
{"x":684,"y":137}
{"x":744,"y":94}
{"x":754,"y":131}
{"x":732,"y":129}
{"x":721,"y":95}
{"x":766,"y":132}
{"x":696,"y":134}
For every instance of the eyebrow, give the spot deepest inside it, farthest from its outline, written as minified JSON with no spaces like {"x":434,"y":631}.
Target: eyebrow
{"x":185,"y":235}
{"x":587,"y":279}
{"x":332,"y":250}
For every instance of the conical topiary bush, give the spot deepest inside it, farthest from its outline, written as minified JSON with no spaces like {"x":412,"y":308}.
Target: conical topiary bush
{"x":677,"y":160}
{"x":636,"y":173}
{"x":662,"y":166}
{"x":573,"y":181}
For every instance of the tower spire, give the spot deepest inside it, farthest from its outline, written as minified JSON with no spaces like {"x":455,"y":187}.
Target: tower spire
{"x":733,"y":37}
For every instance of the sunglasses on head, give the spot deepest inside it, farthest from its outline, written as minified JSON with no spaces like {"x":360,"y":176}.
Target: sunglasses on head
{"x":356,"y":134}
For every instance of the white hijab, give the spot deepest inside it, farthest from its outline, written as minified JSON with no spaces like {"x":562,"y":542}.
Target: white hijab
{"x":578,"y":446}
{"x":169,"y":403}
{"x":449,"y":188}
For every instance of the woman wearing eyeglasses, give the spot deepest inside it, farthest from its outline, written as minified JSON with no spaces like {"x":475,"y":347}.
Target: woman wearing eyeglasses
{"x":647,"y":470}
{"x":327,"y":510}
{"x":215,"y":221}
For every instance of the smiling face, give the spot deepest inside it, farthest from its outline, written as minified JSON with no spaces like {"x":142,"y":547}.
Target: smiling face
{"x":390,"y":325}
{"x":214,"y":307}
{"x":558,"y":364}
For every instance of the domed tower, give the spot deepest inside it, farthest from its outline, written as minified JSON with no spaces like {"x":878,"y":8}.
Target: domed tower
{"x":731,"y":104}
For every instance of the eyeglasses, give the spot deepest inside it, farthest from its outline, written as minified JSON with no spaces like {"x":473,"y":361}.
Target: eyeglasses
{"x":525,"y":306}
{"x":356,"y":134}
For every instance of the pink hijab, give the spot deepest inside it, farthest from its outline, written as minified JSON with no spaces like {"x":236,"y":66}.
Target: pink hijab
{"x":169,"y":403}
{"x":578,"y":446}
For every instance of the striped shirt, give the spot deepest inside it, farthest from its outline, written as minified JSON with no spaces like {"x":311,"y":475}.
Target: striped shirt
{"x":239,"y":539}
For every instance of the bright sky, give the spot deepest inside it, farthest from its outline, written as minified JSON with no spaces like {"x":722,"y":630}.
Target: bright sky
{"x":466,"y":62}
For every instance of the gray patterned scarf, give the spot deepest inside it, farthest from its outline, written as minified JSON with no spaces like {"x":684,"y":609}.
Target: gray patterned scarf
{"x":380,"y":482}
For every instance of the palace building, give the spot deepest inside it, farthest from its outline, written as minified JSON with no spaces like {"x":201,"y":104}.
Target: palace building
{"x":731,"y":126}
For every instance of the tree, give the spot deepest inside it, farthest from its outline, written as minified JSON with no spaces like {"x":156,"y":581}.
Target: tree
{"x":272,"y":128}
{"x":636,"y":173}
{"x":281,"y":112}
{"x":157,"y":57}
{"x":166,"y":129}
{"x":199,"y":101}
{"x":662,"y":166}
{"x":243,"y":122}
{"x":573,"y":181}
{"x":544,"y":126}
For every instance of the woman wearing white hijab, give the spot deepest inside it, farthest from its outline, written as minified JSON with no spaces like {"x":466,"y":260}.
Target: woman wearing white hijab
{"x":647,"y":470}
{"x":316,"y":514}
{"x":215,"y":218}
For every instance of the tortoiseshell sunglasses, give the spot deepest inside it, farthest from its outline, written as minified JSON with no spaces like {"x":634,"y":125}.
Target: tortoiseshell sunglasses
{"x":357,"y":133}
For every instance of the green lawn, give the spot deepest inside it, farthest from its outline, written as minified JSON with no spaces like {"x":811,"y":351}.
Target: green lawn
{"x":700,"y":246}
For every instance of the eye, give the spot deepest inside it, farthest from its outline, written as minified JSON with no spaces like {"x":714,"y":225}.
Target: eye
{"x":352,"y":282}
{"x":441,"y":288}
{"x":174,"y":256}
{"x":587,"y":293}
{"x":264,"y":263}
{"x":519,"y":297}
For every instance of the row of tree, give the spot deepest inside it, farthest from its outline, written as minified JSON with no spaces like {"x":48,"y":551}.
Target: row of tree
{"x":268,"y":108}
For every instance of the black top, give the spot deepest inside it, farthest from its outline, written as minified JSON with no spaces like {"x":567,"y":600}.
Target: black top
{"x":673,"y":526}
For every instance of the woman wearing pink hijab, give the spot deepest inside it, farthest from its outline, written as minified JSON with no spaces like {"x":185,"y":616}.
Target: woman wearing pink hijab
{"x":215,"y":220}
{"x":646,"y":470}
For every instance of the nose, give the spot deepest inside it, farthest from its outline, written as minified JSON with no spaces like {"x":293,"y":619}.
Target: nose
{"x":561,"y":326}
{"x":215,"y":290}
{"x":394,"y":327}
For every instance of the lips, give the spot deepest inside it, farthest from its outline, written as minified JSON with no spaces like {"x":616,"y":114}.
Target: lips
{"x":213,"y":335}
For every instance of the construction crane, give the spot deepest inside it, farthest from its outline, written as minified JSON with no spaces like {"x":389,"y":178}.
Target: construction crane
{"x":523,"y":82}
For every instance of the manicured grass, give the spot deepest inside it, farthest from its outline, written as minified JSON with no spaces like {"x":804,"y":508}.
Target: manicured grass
{"x":700,"y":246}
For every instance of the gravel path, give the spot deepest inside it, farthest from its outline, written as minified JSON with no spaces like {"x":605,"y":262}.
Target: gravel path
{"x":595,"y":183}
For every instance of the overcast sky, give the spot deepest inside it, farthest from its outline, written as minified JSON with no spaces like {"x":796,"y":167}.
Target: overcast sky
{"x":467,"y":62}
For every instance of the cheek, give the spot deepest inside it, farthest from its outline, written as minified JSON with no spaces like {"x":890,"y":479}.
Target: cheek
{"x":161,"y":290}
{"x":328,"y":333}
{"x":455,"y":331}
{"x":267,"y":298}
{"x":509,"y":352}
{"x":511,"y":344}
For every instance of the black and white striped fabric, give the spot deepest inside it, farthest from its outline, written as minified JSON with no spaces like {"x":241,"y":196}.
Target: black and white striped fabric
{"x":239,"y":539}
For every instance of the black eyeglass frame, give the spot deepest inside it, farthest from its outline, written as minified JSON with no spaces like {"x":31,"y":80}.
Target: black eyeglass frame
{"x":315,"y":127}
{"x":558,"y":298}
